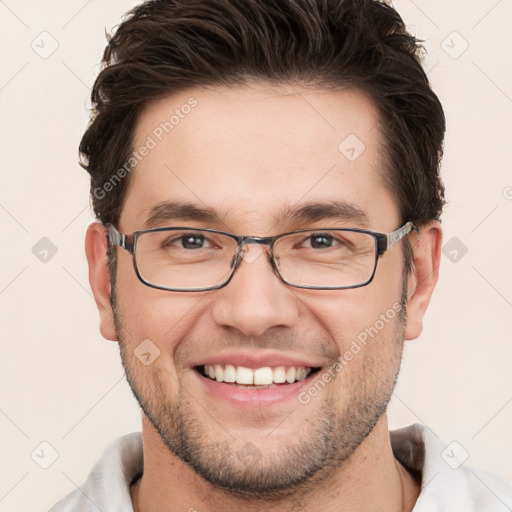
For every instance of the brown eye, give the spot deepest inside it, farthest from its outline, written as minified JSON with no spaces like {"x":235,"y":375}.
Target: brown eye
{"x":187,"y":241}
{"x":321,"y":241}
{"x":192,"y":241}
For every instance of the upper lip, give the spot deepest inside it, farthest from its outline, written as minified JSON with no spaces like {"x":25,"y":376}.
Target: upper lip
{"x":260,"y":359}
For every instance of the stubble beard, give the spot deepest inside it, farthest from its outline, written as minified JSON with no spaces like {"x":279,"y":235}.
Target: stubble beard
{"x":300,"y":466}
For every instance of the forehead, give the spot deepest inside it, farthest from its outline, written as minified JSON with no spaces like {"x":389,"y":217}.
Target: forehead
{"x":252,"y":153}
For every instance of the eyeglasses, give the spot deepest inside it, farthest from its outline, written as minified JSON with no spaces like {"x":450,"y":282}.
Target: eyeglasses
{"x":188,"y":259}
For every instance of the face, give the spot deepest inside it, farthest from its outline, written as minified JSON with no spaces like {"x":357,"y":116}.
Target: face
{"x":249,"y":154}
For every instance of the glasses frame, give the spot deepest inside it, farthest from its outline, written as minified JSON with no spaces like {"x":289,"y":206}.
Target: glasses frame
{"x":383,"y":242}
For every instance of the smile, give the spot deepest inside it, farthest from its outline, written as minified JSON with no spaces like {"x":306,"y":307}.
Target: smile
{"x":263,"y":377}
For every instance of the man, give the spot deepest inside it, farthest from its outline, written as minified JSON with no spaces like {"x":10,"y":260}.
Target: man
{"x":266,"y":179}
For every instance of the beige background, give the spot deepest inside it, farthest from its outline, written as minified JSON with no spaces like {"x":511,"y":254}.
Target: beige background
{"x":61,"y":383}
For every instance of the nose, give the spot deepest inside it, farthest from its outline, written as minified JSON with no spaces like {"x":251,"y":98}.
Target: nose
{"x":255,"y":299}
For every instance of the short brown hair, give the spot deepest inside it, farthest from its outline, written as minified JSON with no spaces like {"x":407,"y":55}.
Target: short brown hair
{"x":166,"y":46}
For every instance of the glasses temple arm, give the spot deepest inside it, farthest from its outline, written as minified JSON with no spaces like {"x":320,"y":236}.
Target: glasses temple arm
{"x":396,"y":236}
{"x":388,"y":240}
{"x":115,"y":237}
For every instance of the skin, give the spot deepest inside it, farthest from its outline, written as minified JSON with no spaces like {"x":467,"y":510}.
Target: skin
{"x":246,"y":152}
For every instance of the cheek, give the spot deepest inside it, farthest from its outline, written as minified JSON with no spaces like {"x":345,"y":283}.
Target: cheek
{"x":368,"y":336}
{"x":147,"y":313}
{"x":360,"y":314}
{"x":151,"y":342}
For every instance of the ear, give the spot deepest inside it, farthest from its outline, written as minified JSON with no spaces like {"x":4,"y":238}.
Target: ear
{"x":99,"y":279}
{"x":426,"y":247}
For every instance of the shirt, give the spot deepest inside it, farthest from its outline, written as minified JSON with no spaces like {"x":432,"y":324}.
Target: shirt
{"x":447,"y":485}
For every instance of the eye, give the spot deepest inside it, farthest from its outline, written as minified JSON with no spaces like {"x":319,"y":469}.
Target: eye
{"x":187,"y":241}
{"x":321,"y":241}
{"x":192,"y":241}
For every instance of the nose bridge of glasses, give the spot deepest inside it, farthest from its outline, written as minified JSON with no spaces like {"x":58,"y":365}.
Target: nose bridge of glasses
{"x":251,"y":256}
{"x":265,"y":240}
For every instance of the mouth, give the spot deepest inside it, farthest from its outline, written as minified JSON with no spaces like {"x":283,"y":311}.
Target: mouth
{"x":266,"y":377}
{"x":257,"y":378}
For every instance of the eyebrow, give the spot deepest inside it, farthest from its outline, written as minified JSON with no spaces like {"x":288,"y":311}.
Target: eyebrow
{"x":330,"y":210}
{"x":297,"y":214}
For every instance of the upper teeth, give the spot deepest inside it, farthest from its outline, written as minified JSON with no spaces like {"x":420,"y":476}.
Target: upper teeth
{"x":258,"y":376}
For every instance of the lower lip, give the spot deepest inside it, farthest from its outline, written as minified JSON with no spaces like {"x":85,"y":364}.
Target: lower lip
{"x":253,"y":396}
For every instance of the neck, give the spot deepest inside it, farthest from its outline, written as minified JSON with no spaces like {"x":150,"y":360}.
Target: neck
{"x":371,"y":480}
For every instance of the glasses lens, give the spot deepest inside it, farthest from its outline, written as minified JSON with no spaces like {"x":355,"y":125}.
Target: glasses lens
{"x":184,"y":259}
{"x":326,"y":258}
